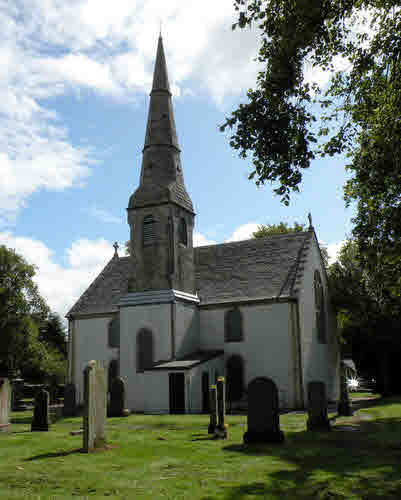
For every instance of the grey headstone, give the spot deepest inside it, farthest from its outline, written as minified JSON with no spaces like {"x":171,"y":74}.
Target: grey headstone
{"x":95,"y":406}
{"x":41,"y":415}
{"x":5,"y":404}
{"x":212,"y":409}
{"x":117,"y":399}
{"x":317,"y":407}
{"x":263,"y":412}
{"x":344,"y":405}
{"x":70,"y":400}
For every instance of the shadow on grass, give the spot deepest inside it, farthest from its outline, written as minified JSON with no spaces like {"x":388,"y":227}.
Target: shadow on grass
{"x":57,"y":454}
{"x":334,"y":465}
{"x":21,"y":420}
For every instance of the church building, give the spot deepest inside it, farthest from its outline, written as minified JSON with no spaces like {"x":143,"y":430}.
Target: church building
{"x":171,"y":318}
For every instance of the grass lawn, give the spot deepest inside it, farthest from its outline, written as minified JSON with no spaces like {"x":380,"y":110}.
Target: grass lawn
{"x":172,"y":457}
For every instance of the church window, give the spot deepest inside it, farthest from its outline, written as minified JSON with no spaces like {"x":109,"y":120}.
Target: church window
{"x":235,"y":378}
{"x":144,"y":350}
{"x":114,"y":332}
{"x":183,"y":232}
{"x":233,"y":325}
{"x":320,"y":315}
{"x":149,"y":230}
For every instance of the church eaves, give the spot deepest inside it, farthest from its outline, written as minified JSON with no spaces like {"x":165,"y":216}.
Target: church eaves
{"x":162,"y":179}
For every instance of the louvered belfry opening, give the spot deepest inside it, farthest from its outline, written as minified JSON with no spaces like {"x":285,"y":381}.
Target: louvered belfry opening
{"x":149,"y":230}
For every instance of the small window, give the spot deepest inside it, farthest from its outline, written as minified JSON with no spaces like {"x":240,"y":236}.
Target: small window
{"x":149,"y":230}
{"x":144,"y":350}
{"x":182,"y":232}
{"x":233,"y":325}
{"x":320,"y":315}
{"x":114,"y":332}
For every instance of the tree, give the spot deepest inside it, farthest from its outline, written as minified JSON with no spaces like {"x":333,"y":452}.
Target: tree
{"x":359,"y":113}
{"x":368,"y":314}
{"x":283,"y":228}
{"x":53,"y":333}
{"x":22,"y":310}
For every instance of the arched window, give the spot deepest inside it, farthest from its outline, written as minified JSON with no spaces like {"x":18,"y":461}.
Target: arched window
{"x":319,"y":308}
{"x":182,"y":232}
{"x":235,"y":378}
{"x":233,"y":325}
{"x":149,"y":230}
{"x":114,"y":332}
{"x":113,"y":372}
{"x":144,"y":350}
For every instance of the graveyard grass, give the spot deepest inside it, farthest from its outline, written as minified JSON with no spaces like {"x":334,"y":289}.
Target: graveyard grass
{"x":172,"y":457}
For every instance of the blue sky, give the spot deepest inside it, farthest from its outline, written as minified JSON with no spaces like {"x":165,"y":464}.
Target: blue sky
{"x":75,"y":79}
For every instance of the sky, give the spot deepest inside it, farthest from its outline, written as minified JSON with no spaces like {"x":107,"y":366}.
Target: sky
{"x":75,"y":79}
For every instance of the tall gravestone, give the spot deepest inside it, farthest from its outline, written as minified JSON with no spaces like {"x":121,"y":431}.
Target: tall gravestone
{"x":317,"y":407}
{"x":70,"y":400}
{"x":5,"y":404}
{"x":41,"y":415}
{"x":212,"y":409}
{"x":263,"y":412}
{"x":117,"y":399}
{"x":344,"y":405}
{"x":221,"y":431}
{"x":95,"y":402}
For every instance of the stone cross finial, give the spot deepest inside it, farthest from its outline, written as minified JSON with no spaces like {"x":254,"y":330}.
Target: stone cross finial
{"x":116,"y":247}
{"x":310,"y":220}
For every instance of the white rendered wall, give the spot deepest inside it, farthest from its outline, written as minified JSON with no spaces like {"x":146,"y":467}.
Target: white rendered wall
{"x":194,"y":382}
{"x":157,"y":392}
{"x":157,"y":319}
{"x":267,"y":348}
{"x":186,"y":328}
{"x":319,"y":361}
{"x":90,"y":342}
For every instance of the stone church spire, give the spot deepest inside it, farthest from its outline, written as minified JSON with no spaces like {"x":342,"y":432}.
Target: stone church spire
{"x":160,"y":212}
{"x":161,"y":174}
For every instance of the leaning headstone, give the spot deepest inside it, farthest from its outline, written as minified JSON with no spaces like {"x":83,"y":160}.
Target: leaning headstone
{"x":317,"y":407}
{"x":5,"y":404}
{"x":117,"y":399}
{"x":221,"y":430}
{"x":70,"y":400}
{"x":41,"y":415}
{"x":344,"y":405}
{"x":212,"y":409}
{"x":95,"y":406}
{"x":263,"y":412}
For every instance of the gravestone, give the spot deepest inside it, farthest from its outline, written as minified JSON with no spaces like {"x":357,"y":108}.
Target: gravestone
{"x":5,"y":404}
{"x":41,"y":415}
{"x":117,"y":399}
{"x":95,"y":406}
{"x":212,"y":409}
{"x":17,"y":391}
{"x":317,"y":407}
{"x":70,"y":400}
{"x":221,"y":431}
{"x":263,"y":412}
{"x":344,"y":405}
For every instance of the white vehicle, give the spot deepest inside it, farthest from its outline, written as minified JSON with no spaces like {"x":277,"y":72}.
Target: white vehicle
{"x":352,"y":384}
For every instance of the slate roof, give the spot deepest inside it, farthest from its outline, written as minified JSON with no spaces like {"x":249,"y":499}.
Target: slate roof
{"x":189,"y":361}
{"x":105,"y":291}
{"x":265,"y":267}
{"x":258,"y":268}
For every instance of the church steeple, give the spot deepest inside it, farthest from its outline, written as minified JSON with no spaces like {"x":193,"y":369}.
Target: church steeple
{"x":160,"y":212}
{"x":161,"y":174}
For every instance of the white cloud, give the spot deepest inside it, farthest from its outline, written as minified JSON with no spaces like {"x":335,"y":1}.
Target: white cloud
{"x":62,"y":285}
{"x":200,"y":240}
{"x":244,"y":232}
{"x":333,"y":250}
{"x":104,"y":215}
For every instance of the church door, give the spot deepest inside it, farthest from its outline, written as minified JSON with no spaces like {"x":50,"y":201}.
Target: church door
{"x":177,"y":392}
{"x":205,"y":392}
